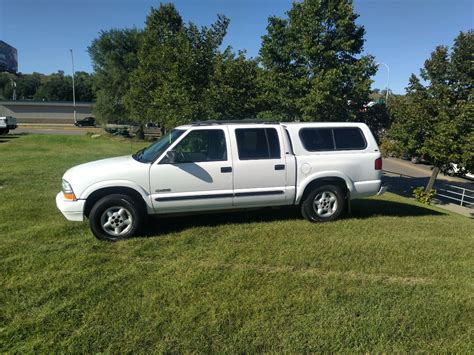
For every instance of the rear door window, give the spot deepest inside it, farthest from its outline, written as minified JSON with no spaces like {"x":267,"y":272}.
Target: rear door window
{"x":257,"y":143}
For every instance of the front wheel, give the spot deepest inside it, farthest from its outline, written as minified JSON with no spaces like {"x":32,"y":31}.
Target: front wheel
{"x":323,"y":204}
{"x":116,"y":217}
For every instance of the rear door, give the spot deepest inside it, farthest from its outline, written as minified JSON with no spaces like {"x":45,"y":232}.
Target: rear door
{"x":260,"y":171}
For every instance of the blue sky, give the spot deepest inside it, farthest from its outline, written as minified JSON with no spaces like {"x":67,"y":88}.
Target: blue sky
{"x":399,"y":33}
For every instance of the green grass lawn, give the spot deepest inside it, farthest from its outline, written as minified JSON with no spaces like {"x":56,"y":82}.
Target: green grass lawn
{"x":394,"y":276}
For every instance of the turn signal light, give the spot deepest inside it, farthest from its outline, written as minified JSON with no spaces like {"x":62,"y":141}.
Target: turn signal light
{"x":71,"y":197}
{"x":378,"y":164}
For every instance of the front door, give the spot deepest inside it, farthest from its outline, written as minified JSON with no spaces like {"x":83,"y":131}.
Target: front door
{"x":200,"y":178}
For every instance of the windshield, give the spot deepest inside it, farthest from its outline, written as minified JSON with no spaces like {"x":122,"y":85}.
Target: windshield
{"x":151,"y":153}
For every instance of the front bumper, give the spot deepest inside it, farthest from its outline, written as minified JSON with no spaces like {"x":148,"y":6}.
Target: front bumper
{"x":72,"y":210}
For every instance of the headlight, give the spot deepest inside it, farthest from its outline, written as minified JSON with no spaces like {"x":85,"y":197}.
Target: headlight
{"x":67,"y":191}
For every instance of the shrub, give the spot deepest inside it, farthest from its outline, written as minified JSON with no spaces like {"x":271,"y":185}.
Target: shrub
{"x":424,"y":197}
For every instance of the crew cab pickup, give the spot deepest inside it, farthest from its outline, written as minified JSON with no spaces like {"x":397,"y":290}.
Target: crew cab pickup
{"x":7,"y":123}
{"x":223,"y":165}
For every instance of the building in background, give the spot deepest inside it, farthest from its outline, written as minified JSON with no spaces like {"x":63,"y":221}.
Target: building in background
{"x":8,"y":58}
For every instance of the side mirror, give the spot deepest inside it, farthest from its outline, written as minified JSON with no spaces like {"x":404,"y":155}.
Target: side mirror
{"x":172,"y":156}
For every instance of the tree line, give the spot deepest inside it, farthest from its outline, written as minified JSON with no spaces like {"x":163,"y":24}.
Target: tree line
{"x":310,"y":67}
{"x":41,"y":87}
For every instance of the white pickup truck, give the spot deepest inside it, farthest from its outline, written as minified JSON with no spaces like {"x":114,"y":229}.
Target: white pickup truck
{"x":7,"y":123}
{"x":223,"y":165}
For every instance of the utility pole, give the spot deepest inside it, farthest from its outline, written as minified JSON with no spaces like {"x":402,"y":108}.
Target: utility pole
{"x":388,"y":80}
{"x":73,"y":87}
{"x":14,"y":88}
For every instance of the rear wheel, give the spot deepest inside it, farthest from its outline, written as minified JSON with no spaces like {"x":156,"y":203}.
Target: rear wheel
{"x":323,"y":204}
{"x":116,"y":217}
{"x":4,"y":131}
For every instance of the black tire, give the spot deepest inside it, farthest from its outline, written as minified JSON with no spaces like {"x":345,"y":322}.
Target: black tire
{"x":331,"y":198}
{"x":4,"y":131}
{"x":115,"y":210}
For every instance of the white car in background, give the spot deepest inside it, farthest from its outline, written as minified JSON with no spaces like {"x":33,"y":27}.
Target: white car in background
{"x":7,"y":123}
{"x":456,"y":170}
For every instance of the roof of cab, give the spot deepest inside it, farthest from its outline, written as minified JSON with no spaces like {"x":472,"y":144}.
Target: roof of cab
{"x":263,"y":122}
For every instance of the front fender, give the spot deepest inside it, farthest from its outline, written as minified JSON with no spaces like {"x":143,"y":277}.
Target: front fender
{"x":319,"y":175}
{"x":116,"y":183}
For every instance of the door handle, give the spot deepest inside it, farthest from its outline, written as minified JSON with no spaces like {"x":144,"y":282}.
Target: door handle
{"x":280,"y":167}
{"x":226,"y":169}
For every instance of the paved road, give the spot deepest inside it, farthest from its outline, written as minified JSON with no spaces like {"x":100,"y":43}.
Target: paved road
{"x":71,"y":132}
{"x":54,"y":129}
{"x":399,"y":166}
{"x":402,"y":177}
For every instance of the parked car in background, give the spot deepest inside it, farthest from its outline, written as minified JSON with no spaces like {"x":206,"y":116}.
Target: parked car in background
{"x":85,"y":122}
{"x":457,"y":170}
{"x":7,"y":123}
{"x":420,"y":159}
{"x":223,"y":165}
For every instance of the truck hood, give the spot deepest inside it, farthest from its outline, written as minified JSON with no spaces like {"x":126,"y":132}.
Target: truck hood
{"x":109,"y":171}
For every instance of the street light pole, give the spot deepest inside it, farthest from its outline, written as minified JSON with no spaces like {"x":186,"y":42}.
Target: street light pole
{"x":73,"y":87}
{"x":14,"y":88}
{"x":388,"y":80}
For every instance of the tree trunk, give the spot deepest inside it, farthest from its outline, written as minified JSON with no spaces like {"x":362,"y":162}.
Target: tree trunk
{"x":140,"y":132}
{"x":432,"y":180}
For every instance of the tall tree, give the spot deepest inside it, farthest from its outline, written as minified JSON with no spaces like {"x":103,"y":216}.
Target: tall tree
{"x":437,"y":118}
{"x":313,"y":65}
{"x":232,"y":92}
{"x":114,"y":57}
{"x":175,"y":62}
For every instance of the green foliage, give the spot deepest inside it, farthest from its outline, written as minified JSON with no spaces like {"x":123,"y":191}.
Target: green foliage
{"x":378,"y":118}
{"x":53,"y":87}
{"x":422,"y":196}
{"x":175,"y":66}
{"x":390,"y":148}
{"x":114,"y":57}
{"x":437,"y":118}
{"x":233,"y":87}
{"x":57,"y":87}
{"x":314,"y":70}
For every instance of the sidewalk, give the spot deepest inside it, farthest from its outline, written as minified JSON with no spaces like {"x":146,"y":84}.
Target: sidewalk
{"x":465,"y":211}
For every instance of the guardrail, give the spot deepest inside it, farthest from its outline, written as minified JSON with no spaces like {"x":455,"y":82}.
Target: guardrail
{"x":459,"y":195}
{"x":465,"y":197}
